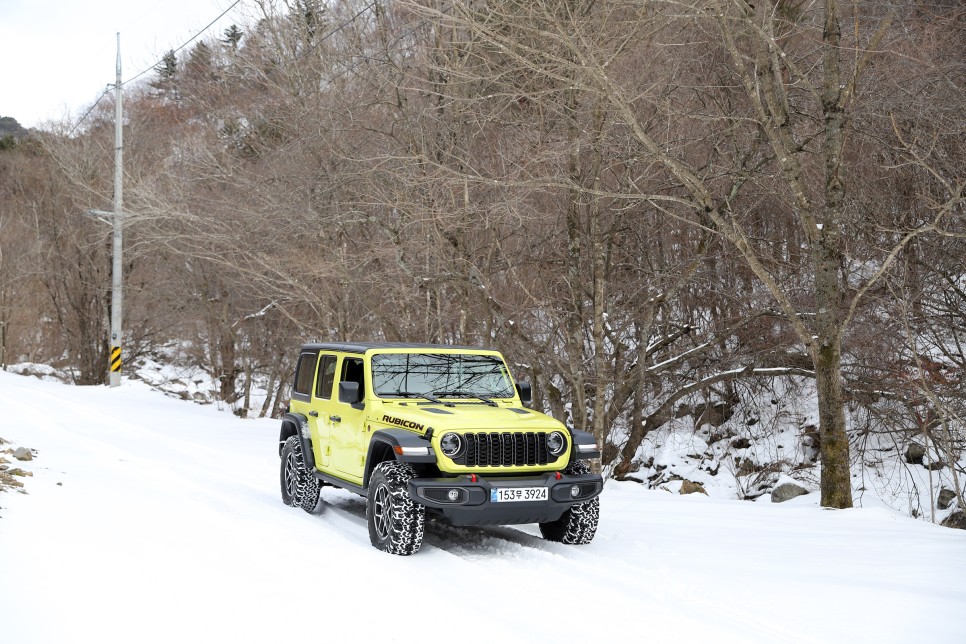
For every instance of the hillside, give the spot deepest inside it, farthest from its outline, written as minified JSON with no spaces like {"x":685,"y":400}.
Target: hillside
{"x":151,"y":519}
{"x":10,"y":127}
{"x":729,"y":273}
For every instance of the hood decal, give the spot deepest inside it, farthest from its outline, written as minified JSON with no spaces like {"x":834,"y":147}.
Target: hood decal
{"x":399,"y":422}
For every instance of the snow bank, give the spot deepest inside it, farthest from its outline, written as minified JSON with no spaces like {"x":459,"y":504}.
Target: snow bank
{"x":151,"y":519}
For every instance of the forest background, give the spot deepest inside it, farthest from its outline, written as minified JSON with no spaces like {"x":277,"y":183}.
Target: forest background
{"x":664,"y":213}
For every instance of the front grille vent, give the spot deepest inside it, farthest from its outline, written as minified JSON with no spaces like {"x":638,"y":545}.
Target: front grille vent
{"x":441,"y":494}
{"x":503,"y":449}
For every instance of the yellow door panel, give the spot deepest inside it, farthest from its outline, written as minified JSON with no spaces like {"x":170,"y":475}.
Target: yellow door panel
{"x":348,"y":437}
{"x":319,"y":424}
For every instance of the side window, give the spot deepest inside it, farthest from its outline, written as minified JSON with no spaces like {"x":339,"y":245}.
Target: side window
{"x":324,"y":382}
{"x":304,"y":373}
{"x":352,"y":371}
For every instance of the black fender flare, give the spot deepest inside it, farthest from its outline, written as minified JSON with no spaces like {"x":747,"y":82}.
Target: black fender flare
{"x":298,"y":425}
{"x":383,"y":446}
{"x":578,"y":437}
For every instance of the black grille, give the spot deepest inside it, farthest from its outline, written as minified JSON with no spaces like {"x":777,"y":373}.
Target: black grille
{"x":504,"y":449}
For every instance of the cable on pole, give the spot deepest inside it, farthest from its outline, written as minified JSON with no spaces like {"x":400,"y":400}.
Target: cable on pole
{"x":183,"y":45}
{"x":331,"y":33}
{"x":153,"y":66}
{"x":88,"y":112}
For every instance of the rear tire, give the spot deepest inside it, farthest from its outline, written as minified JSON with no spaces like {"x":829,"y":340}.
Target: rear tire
{"x":578,"y":524}
{"x":299,"y":487}
{"x":396,"y":522}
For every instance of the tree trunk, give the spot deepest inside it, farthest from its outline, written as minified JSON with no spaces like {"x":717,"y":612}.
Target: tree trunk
{"x":3,"y":327}
{"x":267,"y":403}
{"x":599,"y":248}
{"x":575,"y":317}
{"x":830,"y":287}
{"x":836,"y":481}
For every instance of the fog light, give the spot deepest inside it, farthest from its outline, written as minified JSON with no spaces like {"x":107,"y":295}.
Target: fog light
{"x":575,"y":491}
{"x":454,"y":495}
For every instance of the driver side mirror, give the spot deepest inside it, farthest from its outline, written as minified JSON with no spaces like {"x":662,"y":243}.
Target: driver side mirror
{"x":525,"y":392}
{"x":349,"y":392}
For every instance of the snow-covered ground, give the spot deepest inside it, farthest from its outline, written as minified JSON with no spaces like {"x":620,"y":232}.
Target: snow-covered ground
{"x":150,"y":519}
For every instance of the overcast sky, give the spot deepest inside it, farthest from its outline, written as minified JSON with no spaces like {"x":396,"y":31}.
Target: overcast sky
{"x":57,"y":56}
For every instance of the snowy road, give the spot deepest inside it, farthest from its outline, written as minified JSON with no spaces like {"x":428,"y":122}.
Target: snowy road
{"x":149,"y":519}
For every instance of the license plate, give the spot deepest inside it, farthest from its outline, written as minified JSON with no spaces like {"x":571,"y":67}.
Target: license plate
{"x":504,"y":494}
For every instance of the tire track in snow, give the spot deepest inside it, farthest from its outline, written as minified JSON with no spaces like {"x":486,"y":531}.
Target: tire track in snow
{"x":635,"y":586}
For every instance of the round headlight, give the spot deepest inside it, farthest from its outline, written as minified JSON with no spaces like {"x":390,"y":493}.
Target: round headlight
{"x":453,"y":495}
{"x":575,"y":491}
{"x":451,"y":444}
{"x":556,"y":443}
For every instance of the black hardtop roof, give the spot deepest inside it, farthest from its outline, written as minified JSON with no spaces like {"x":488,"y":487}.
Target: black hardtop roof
{"x":362,"y":347}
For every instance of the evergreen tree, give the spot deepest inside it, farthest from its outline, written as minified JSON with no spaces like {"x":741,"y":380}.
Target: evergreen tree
{"x":167,"y":68}
{"x":233,"y":36}
{"x":200,"y":61}
{"x":312,"y":14}
{"x":167,"y":71}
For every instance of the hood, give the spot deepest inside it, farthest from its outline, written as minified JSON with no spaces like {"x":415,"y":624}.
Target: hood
{"x":468,"y":416}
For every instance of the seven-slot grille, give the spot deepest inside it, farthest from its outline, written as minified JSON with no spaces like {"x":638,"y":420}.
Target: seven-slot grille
{"x":503,"y":449}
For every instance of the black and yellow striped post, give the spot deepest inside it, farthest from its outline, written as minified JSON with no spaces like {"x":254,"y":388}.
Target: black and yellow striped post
{"x":115,"y":359}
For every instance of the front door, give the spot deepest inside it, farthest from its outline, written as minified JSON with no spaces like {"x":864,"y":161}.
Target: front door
{"x":347,"y":423}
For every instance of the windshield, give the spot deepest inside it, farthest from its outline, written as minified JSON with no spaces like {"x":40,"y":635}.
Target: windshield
{"x":437,"y":374}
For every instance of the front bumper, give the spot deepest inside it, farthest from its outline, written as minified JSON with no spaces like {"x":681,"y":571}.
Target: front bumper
{"x":473,"y":505}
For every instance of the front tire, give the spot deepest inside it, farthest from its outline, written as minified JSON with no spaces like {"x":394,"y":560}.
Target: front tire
{"x":578,"y":524}
{"x":396,"y":522}
{"x":299,"y":487}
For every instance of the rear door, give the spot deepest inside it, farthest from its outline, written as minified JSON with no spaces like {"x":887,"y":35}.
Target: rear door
{"x":302,"y":399}
{"x":322,"y":394}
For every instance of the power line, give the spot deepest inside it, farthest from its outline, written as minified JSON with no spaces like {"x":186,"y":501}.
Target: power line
{"x":204,"y":29}
{"x":402,"y":36}
{"x":339,"y":28}
{"x":145,"y":71}
{"x":321,"y":40}
{"x":184,"y":44}
{"x":88,"y":112}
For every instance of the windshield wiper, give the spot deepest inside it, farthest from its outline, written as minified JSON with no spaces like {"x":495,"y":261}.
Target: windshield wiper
{"x":413,"y":394}
{"x":467,"y":394}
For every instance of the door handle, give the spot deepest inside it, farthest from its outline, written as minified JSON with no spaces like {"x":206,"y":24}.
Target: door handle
{"x":314,"y":414}
{"x":335,"y":419}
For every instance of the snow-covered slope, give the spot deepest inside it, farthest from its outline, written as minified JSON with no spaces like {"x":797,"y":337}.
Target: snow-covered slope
{"x":150,"y":519}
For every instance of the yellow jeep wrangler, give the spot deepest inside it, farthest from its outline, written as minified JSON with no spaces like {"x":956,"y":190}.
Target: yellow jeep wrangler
{"x":420,"y":429}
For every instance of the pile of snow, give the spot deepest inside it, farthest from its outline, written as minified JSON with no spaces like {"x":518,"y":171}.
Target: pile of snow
{"x":168,"y":370}
{"x":151,"y":519}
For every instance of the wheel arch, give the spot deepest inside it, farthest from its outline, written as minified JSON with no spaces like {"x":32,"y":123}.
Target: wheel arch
{"x":383,"y":447}
{"x":577,"y":438}
{"x":297,"y":425}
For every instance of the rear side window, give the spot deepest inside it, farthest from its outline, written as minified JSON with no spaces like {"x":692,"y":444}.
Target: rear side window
{"x":304,"y":373}
{"x":326,"y":379}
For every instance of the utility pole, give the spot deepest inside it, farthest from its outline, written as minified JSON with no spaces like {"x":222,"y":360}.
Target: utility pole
{"x":117,"y":335}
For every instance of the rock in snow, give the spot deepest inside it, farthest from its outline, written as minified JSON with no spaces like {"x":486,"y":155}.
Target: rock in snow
{"x":945,"y":499}
{"x":690,"y":487}
{"x":956,"y":520}
{"x":787,"y":491}
{"x":747,"y":467}
{"x":23,"y":454}
{"x":914,"y":453}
